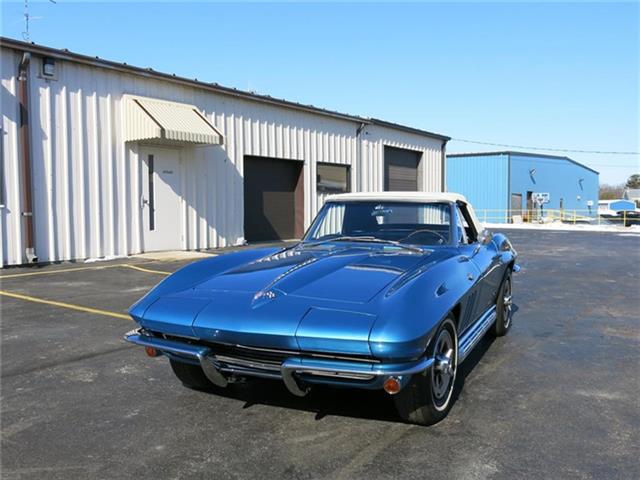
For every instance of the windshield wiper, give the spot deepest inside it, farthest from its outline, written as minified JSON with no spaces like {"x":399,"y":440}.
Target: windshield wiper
{"x":370,"y":239}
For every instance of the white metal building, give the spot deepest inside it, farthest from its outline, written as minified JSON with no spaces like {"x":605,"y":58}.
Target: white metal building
{"x":104,"y":159}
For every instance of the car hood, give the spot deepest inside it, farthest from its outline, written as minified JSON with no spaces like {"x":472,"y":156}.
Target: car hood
{"x":348,"y":274}
{"x":309,"y":298}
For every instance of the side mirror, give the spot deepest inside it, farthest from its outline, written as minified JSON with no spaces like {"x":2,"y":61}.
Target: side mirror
{"x":485,"y":237}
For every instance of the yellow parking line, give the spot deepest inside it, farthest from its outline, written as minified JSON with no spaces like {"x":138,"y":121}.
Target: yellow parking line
{"x":70,"y":306}
{"x":61,"y":270}
{"x":79,"y":269}
{"x":161,"y":272}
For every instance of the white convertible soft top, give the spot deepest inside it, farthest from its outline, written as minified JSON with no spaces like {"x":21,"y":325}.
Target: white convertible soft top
{"x":417,"y":197}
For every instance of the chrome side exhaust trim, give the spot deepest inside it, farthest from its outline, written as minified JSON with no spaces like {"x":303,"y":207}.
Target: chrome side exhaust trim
{"x":474,"y":333}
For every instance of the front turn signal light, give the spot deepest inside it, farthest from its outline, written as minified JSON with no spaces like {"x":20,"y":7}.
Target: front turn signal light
{"x":391,"y":385}
{"x":152,"y":352}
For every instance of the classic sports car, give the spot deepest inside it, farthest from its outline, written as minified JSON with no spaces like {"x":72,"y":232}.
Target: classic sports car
{"x":385,"y":291}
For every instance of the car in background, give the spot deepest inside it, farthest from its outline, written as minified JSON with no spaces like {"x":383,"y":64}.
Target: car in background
{"x":387,"y":291}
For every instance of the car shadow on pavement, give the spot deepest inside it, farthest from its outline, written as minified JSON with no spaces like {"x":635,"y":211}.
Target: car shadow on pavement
{"x":321,"y":400}
{"x":345,"y":402}
{"x":474,"y":358}
{"x":470,"y":363}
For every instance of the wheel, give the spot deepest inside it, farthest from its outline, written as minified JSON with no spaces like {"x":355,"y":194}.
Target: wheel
{"x":190,"y":375}
{"x":427,"y":398}
{"x":503,"y":307}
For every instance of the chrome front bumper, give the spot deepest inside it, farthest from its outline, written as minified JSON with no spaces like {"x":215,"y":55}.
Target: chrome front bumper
{"x":218,"y":368}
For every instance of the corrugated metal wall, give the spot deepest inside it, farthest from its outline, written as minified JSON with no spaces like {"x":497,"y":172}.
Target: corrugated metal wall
{"x":560,"y":178}
{"x":488,"y":181}
{"x":88,"y":182}
{"x":483,"y":180}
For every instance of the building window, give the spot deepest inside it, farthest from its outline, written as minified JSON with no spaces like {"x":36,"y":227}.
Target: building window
{"x":332,"y":178}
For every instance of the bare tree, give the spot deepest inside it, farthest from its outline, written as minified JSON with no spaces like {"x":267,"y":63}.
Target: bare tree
{"x":611,"y":192}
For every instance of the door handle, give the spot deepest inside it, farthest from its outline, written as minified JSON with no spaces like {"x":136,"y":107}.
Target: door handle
{"x":470,"y":276}
{"x":143,"y":201}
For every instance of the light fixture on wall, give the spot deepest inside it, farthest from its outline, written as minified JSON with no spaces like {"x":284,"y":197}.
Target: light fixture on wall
{"x":48,"y":67}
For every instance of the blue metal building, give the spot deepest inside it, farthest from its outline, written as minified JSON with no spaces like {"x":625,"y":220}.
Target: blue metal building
{"x":503,"y":184}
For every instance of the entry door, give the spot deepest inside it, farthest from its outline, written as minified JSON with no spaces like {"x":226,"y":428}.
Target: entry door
{"x":161,"y":199}
{"x":516,"y":204}
{"x":530,"y":206}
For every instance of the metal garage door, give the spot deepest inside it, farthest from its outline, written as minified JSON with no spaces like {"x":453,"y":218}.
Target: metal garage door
{"x":401,"y":169}
{"x":273,"y":199}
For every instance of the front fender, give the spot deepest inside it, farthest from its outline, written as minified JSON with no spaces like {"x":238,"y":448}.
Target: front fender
{"x":504,"y":247}
{"x":194,"y":273}
{"x":411,"y":314}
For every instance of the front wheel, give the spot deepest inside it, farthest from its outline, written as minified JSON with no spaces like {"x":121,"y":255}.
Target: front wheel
{"x":427,"y":398}
{"x":190,"y":375}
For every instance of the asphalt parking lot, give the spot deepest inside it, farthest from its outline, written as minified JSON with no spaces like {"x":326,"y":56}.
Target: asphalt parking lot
{"x":556,"y":398}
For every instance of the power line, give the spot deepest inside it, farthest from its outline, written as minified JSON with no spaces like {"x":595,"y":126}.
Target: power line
{"x":564,"y":150}
{"x":614,"y":166}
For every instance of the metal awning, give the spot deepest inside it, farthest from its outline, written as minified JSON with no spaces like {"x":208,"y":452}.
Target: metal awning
{"x":151,"y":120}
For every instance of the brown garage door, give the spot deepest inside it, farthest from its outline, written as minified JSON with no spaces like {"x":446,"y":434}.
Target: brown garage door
{"x":273,"y":199}
{"x":401,"y":169}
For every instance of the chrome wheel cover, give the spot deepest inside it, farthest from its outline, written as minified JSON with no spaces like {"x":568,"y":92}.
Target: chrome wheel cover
{"x":507,"y":303}
{"x":443,"y":372}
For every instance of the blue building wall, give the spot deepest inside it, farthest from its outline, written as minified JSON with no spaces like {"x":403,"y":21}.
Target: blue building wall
{"x":489,"y":180}
{"x":483,"y":180}
{"x":567,"y":182}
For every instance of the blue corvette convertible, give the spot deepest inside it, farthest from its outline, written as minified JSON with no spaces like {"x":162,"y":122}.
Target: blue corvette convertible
{"x":386,"y":291}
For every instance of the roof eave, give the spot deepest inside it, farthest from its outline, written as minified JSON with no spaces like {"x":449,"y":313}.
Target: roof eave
{"x":64,"y":54}
{"x":524,"y":154}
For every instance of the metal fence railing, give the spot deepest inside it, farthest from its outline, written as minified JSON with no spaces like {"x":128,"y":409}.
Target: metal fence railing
{"x":571,"y":216}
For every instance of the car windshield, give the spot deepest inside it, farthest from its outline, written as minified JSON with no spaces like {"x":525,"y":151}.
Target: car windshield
{"x":423,"y":224}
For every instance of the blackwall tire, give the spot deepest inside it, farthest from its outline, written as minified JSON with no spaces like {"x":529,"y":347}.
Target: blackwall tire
{"x":191,"y":376}
{"x":504,"y":307}
{"x":425,"y":400}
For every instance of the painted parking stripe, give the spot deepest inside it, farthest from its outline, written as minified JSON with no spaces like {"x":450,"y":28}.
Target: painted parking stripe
{"x":147,"y":270}
{"x":80,"y":269}
{"x":51,"y":272}
{"x":69,"y":306}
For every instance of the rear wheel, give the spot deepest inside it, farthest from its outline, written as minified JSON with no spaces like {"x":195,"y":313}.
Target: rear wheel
{"x":190,"y":375}
{"x":503,"y":307}
{"x":427,"y":398}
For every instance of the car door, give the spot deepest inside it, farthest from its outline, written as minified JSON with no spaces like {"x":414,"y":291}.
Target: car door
{"x":486,"y":257}
{"x":472,"y":304}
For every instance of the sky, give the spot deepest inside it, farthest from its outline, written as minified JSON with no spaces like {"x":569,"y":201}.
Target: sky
{"x":549,"y":75}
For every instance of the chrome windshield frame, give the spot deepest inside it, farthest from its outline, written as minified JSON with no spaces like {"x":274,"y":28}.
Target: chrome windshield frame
{"x":315,"y":224}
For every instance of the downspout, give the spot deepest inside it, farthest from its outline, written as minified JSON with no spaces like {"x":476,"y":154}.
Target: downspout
{"x":25,"y":143}
{"x":443,"y":159}
{"x":359,"y":156}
